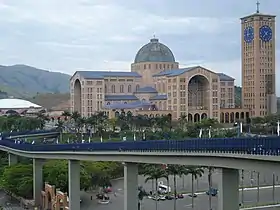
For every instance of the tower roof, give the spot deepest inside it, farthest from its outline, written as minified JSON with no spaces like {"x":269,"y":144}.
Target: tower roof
{"x":257,"y":13}
{"x":154,"y":51}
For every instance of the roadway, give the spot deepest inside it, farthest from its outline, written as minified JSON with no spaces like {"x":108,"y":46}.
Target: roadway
{"x":184,"y":183}
{"x":201,"y":202}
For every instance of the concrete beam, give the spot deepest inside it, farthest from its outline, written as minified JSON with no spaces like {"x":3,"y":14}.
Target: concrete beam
{"x":37,"y":180}
{"x":228,"y":186}
{"x":74,"y":184}
{"x":130,"y":186}
{"x":13,"y":159}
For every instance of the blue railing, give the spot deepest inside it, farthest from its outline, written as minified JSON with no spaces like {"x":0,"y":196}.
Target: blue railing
{"x":260,"y":146}
{"x":27,"y":133}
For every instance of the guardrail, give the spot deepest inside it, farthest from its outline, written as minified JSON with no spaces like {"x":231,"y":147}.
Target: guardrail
{"x":254,"y":146}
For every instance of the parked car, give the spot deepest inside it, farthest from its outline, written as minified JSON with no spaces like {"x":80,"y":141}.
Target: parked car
{"x":212,"y":192}
{"x":162,"y":198}
{"x":180,"y":196}
{"x":159,"y":198}
{"x":193,"y":195}
{"x":169,"y":197}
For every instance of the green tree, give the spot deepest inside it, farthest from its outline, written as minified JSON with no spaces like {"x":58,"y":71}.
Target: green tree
{"x":195,"y":172}
{"x":18,"y":179}
{"x":210,"y":185}
{"x":66,"y":114}
{"x":155,"y":172}
{"x":175,"y":170}
{"x":56,"y":173}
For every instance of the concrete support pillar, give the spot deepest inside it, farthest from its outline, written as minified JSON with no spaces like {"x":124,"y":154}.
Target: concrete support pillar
{"x":228,"y":186}
{"x":74,"y":184}
{"x":13,"y":159}
{"x":37,"y":180}
{"x":130,"y":186}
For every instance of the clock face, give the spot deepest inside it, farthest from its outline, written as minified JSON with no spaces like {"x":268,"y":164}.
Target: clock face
{"x":265,"y":33}
{"x":249,"y":34}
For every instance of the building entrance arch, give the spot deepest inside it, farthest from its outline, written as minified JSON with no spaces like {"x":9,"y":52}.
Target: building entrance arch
{"x":199,"y":95}
{"x":77,"y":96}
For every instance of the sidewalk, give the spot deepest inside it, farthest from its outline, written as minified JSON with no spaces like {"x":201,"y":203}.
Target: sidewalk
{"x":245,"y":189}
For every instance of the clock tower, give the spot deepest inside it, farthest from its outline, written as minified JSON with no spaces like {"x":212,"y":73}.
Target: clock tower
{"x":258,"y":64}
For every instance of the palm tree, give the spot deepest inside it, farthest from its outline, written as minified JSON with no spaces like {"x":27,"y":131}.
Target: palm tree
{"x":183,"y":122}
{"x":258,"y":187}
{"x":75,"y":116}
{"x":210,"y":185}
{"x":42,"y":119}
{"x":155,"y":172}
{"x":175,"y":170}
{"x":66,"y":114}
{"x":59,"y":126}
{"x":242,"y":186}
{"x":273,"y":187}
{"x":195,"y":172}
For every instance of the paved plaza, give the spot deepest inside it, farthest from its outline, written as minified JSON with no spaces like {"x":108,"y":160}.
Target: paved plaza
{"x":184,"y":185}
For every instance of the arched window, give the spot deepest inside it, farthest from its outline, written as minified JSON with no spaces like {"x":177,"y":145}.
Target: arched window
{"x":121,"y":89}
{"x":108,"y":103}
{"x":129,"y":88}
{"x":137,"y":87}
{"x":159,"y":106}
{"x":113,"y":89}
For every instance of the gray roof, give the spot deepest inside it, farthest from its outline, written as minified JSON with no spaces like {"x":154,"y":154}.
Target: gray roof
{"x":146,"y":89}
{"x":174,"y":72}
{"x":159,"y":97}
{"x":120,"y":97}
{"x":102,"y":74}
{"x":224,"y":77}
{"x":154,"y":51}
{"x":131,"y":105}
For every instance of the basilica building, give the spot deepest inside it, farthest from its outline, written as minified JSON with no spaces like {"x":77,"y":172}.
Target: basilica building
{"x":156,"y":86}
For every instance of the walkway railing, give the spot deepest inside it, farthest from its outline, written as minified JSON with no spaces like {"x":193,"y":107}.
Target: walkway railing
{"x":254,"y":146}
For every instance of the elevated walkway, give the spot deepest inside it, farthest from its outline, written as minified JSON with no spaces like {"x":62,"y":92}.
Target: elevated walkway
{"x":239,"y":153}
{"x":227,"y":154}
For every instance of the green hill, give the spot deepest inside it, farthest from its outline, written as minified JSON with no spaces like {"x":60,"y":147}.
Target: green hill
{"x":23,"y":81}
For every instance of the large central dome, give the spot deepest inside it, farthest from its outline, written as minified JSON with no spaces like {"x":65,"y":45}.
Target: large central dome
{"x":154,"y":51}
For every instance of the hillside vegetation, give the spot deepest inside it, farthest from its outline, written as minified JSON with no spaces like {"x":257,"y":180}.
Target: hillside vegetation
{"x":23,"y":81}
{"x":52,"y":100}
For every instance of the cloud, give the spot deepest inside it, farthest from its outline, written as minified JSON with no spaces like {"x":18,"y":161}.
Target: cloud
{"x":67,"y":35}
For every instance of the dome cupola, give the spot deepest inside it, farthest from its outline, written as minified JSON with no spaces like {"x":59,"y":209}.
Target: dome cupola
{"x":154,"y":51}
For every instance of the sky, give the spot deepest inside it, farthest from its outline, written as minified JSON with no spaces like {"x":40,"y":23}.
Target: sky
{"x":71,"y":35}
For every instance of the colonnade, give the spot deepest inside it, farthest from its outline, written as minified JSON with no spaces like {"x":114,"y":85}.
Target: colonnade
{"x":228,"y":185}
